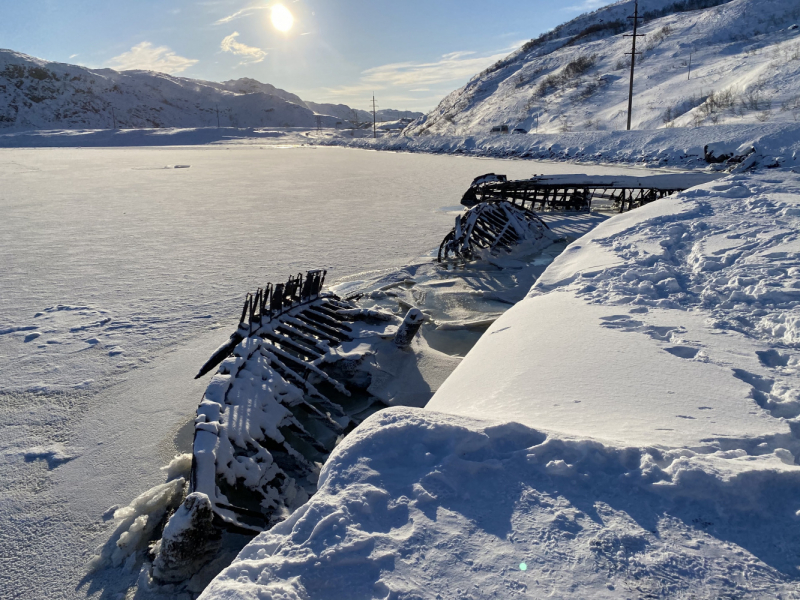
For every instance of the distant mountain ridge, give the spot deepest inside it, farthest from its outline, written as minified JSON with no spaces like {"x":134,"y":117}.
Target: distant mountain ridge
{"x":745,"y":68}
{"x":40,"y":94}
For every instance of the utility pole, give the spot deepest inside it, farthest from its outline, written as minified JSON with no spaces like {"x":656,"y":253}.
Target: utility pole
{"x":635,"y":18}
{"x":689,"y":76}
{"x":113,"y":117}
{"x":374,"y":132}
{"x":217,"y":105}
{"x":318,"y":119}
{"x":354,"y":122}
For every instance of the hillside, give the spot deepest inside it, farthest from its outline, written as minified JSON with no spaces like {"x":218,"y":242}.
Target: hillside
{"x":745,"y":62}
{"x":39,"y":94}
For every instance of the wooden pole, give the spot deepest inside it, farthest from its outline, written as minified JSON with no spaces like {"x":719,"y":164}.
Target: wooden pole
{"x":635,"y":18}
{"x":374,"y":132}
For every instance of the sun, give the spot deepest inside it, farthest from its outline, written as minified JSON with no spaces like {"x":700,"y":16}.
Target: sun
{"x":282,"y":19}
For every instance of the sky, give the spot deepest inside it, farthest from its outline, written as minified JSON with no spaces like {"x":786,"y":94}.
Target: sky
{"x":410,"y":54}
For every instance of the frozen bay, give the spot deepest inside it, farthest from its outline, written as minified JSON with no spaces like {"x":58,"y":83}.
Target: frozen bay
{"x":136,"y":270}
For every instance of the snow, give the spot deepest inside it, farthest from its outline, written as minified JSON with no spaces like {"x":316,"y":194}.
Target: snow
{"x":745,"y":62}
{"x":776,"y":145}
{"x":94,"y":407}
{"x":633,"y":417}
{"x":40,"y":94}
{"x":416,"y":503}
{"x":682,"y":294}
{"x":136,"y":523}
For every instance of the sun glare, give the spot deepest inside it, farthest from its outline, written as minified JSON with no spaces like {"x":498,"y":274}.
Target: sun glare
{"x":282,"y":19}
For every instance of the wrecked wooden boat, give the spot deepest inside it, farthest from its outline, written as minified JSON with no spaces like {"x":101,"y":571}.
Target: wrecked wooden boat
{"x":307,"y":364}
{"x":578,"y":192}
{"x":302,"y":370}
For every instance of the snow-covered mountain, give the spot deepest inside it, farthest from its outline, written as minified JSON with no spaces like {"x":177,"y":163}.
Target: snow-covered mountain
{"x":745,"y":67}
{"x":39,"y":94}
{"x":344,"y":112}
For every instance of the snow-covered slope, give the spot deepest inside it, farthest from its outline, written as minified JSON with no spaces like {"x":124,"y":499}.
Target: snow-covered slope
{"x":345,"y":113}
{"x":653,"y":376}
{"x":38,"y":94}
{"x":745,"y":67}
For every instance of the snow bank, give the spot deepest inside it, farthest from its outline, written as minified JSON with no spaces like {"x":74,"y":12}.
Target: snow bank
{"x":776,"y":144}
{"x":652,"y":374}
{"x":669,"y":311}
{"x":418,"y":504}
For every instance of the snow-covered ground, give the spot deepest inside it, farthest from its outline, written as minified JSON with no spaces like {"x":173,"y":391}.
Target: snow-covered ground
{"x":775,"y":144}
{"x":650,"y":377}
{"x":119,"y":275}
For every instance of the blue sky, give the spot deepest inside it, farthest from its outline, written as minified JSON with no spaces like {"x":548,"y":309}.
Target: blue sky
{"x":410,"y":53}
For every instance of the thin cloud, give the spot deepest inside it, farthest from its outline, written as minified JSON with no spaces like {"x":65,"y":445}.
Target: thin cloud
{"x":240,"y":13}
{"x":450,"y":67}
{"x":251,"y":54}
{"x":396,"y":81}
{"x":146,"y":57}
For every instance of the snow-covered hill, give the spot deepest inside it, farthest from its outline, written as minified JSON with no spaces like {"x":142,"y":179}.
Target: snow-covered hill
{"x":745,"y":68}
{"x":345,"y":113}
{"x":38,"y":94}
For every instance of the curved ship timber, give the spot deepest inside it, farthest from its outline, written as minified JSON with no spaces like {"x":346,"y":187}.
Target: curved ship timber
{"x":302,"y":370}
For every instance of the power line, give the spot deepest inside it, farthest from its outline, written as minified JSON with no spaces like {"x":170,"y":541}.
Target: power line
{"x":374,"y":132}
{"x":633,"y":53}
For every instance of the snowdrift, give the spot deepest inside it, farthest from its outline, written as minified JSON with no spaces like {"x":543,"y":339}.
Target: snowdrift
{"x":652,"y":376}
{"x":775,"y":144}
